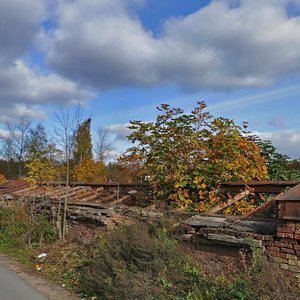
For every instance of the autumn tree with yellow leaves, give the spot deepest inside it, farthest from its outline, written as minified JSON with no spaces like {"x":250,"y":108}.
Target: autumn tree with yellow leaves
{"x":90,"y":171}
{"x":187,"y":156}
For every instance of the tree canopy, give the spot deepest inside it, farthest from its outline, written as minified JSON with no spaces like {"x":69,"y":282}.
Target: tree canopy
{"x":187,"y":155}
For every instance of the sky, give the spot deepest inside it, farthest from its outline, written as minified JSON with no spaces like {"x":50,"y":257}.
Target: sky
{"x":121,"y":58}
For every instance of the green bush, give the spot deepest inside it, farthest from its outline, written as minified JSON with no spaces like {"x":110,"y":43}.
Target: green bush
{"x":19,"y":229}
{"x":140,"y":262}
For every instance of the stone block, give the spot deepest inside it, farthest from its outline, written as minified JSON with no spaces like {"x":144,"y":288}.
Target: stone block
{"x":290,"y":256}
{"x":284,"y":266}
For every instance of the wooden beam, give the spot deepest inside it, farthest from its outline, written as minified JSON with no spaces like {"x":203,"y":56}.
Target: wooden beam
{"x":230,"y":201}
{"x":258,"y":186}
{"x":263,"y":207}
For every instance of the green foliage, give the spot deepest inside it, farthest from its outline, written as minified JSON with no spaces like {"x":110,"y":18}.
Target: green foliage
{"x":140,"y":262}
{"x":187,"y":155}
{"x":131,"y":263}
{"x":37,"y":143}
{"x":19,"y":232}
{"x":41,"y":164}
{"x":280,"y":166}
{"x":83,"y":142}
{"x":41,"y":170}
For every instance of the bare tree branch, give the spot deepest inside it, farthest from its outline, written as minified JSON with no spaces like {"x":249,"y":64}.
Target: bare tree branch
{"x":103,"y":147}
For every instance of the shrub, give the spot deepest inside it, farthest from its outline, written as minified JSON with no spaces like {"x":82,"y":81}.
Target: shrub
{"x":19,"y":229}
{"x":135,"y":263}
{"x":2,"y":179}
{"x":140,"y":262}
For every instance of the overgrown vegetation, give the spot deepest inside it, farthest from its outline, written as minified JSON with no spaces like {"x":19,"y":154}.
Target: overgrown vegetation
{"x":135,"y":262}
{"x":145,"y":262}
{"x":20,"y":232}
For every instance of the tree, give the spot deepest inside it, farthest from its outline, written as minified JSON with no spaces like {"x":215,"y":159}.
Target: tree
{"x":36,"y":143}
{"x":131,"y":166}
{"x":188,"y":155}
{"x":83,"y":142}
{"x":280,"y":166}
{"x":17,"y":139}
{"x":41,"y":170}
{"x":65,"y":130}
{"x":8,"y":164}
{"x":89,"y":171}
{"x":42,"y":162}
{"x":103,"y":146}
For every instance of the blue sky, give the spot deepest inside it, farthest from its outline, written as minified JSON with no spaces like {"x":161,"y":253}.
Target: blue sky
{"x":121,"y":58}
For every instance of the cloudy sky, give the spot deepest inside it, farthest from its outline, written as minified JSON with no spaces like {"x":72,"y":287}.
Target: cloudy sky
{"x":121,"y":58}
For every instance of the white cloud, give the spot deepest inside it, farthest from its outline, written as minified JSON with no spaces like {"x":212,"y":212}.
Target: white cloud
{"x":221,"y":46}
{"x":23,"y":90}
{"x":19,"y":22}
{"x":286,"y":141}
{"x":121,"y":131}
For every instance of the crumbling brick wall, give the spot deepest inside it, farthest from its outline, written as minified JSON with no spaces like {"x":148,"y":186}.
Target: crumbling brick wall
{"x":285,"y":247}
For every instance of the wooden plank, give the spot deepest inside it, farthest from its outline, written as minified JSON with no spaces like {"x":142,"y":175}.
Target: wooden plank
{"x":261,"y":197}
{"x":229,"y":202}
{"x":258,"y":186}
{"x":263,"y":207}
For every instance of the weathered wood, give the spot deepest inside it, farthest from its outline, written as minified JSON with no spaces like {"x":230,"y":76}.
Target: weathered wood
{"x":259,"y":186}
{"x":261,"y":197}
{"x":115,"y":202}
{"x":263,"y":207}
{"x":229,"y":202}
{"x":214,"y":222}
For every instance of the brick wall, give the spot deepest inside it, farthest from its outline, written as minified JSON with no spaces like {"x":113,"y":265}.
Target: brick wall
{"x":285,"y":246}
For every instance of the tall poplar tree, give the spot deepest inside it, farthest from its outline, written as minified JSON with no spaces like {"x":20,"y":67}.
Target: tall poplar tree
{"x":83,"y":142}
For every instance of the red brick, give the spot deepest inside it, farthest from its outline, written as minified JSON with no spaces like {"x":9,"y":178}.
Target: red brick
{"x":268,"y":243}
{"x":288,"y":240}
{"x":286,"y":250}
{"x":285,"y":235}
{"x":290,"y":224}
{"x":297,"y":225}
{"x":297,"y":247}
{"x":298,"y":253}
{"x":273,"y":248}
{"x":297,"y":236}
{"x":285,"y":229}
{"x":284,"y":245}
{"x":278,"y":254}
{"x":289,"y":235}
{"x":267,"y":238}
